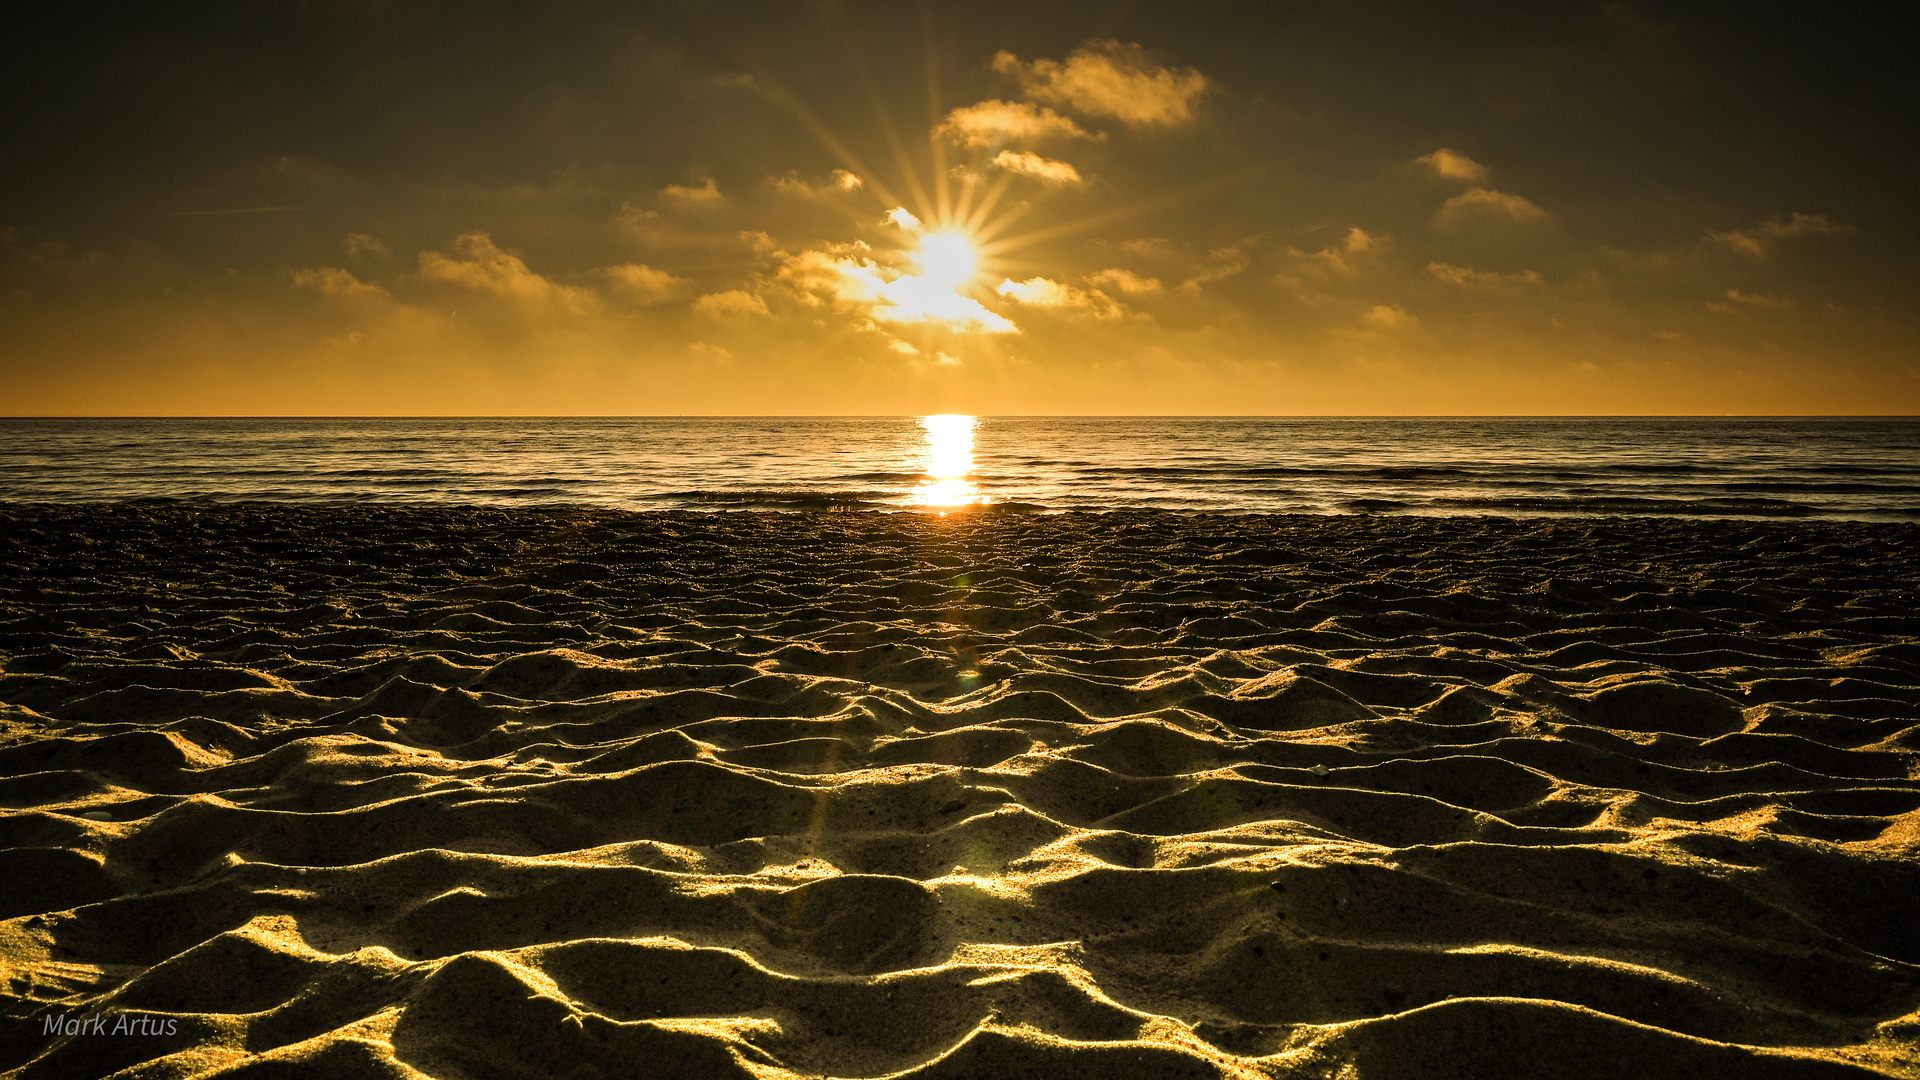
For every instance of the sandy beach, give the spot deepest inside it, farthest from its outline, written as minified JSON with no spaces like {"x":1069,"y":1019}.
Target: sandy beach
{"x":389,"y":791}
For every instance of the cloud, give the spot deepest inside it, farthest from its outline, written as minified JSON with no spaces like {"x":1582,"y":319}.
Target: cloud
{"x":1452,"y":165}
{"x":730,"y":304}
{"x":1345,"y":257}
{"x":25,"y":248}
{"x":1219,"y":265}
{"x":236,"y":211}
{"x":816,"y":274}
{"x":341,"y":284}
{"x":484,"y":266}
{"x":1676,"y":258}
{"x":1468,"y":278}
{"x":362,"y":246}
{"x":1389,"y":316}
{"x":1038,"y":291}
{"x":840,"y":183}
{"x":1757,"y":242}
{"x":1107,"y":78}
{"x":1483,"y":202}
{"x":1126,"y":281}
{"x":1045,"y":293}
{"x":647,"y":226}
{"x":1040,"y":168}
{"x":991,"y":123}
{"x":902,"y":218}
{"x":1757,"y":300}
{"x":646,"y":283}
{"x":707,"y":194}
{"x":1752,"y":300}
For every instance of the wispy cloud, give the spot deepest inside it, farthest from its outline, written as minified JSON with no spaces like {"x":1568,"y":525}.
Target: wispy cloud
{"x":707,"y":194}
{"x":1469,"y":278}
{"x":1040,"y":168}
{"x":1757,"y":300}
{"x":1346,"y":257}
{"x":240,"y":210}
{"x":1747,"y":301}
{"x":1389,"y":316}
{"x":362,"y":246}
{"x":646,"y":283}
{"x":1126,"y":281}
{"x":1219,"y":265}
{"x":731,"y":304}
{"x":1486,"y":203}
{"x":841,"y":182}
{"x":1757,"y":241}
{"x":340,"y":284}
{"x":1108,"y":78}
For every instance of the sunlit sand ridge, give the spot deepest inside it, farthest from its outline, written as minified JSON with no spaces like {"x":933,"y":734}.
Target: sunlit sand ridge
{"x":470,"y":793}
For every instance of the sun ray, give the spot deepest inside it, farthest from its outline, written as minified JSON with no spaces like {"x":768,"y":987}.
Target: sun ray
{"x":934,"y":272}
{"x":992,"y":199}
{"x":989,"y":246}
{"x":944,"y":208}
{"x":990,"y":229}
{"x":901,"y":157}
{"x":824,"y":135}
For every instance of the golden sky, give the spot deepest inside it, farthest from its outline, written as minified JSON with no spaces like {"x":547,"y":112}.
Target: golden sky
{"x":392,"y":208}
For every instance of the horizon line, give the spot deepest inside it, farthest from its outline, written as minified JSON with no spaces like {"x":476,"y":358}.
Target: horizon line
{"x":985,"y":416}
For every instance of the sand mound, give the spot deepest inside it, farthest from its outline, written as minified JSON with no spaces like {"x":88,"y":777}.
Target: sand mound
{"x":472,"y":793}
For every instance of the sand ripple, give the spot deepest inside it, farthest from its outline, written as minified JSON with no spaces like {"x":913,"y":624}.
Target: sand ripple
{"x":473,"y":793}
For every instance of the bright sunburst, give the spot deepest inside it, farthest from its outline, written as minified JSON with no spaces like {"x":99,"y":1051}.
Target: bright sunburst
{"x":946,"y":238}
{"x":948,"y":259}
{"x":949,"y":265}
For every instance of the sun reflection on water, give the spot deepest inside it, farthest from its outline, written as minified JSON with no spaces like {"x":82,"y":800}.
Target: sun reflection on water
{"x":949,"y":463}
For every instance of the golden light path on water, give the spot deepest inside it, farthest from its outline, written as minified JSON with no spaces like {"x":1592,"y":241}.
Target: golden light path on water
{"x":949,"y":463}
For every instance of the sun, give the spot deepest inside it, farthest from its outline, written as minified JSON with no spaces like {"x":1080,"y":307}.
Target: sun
{"x":945,"y":264}
{"x":948,"y":259}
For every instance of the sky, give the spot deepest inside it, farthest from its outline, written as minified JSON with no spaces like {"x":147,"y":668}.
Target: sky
{"x":575,"y":207}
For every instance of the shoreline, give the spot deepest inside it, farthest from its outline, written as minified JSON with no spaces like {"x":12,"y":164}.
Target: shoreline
{"x":488,"y":790}
{"x":812,"y":503}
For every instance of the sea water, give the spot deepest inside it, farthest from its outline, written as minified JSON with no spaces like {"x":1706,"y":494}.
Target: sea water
{"x":1836,"y":468}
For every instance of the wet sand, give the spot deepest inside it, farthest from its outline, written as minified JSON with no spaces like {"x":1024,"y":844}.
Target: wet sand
{"x":471,"y":793}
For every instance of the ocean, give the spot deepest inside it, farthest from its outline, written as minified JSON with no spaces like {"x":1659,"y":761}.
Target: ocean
{"x":1832,"y":468}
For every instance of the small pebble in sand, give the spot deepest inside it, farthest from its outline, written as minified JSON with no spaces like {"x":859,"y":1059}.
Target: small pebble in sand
{"x":1321,"y":771}
{"x":97,"y":815}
